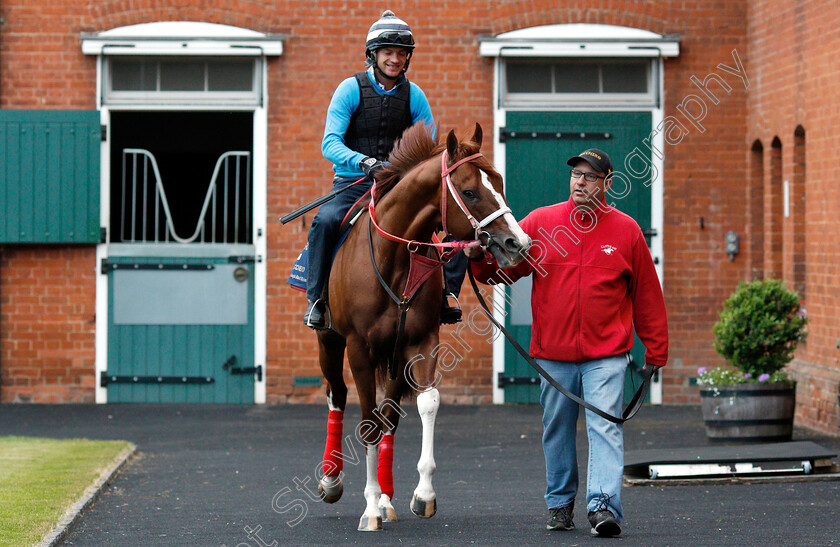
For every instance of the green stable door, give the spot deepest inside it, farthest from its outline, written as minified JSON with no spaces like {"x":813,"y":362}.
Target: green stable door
{"x":538,"y":144}
{"x":180,"y":330}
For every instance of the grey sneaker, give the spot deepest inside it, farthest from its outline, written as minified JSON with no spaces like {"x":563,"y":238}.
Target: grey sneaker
{"x":604,"y":523}
{"x":560,"y":518}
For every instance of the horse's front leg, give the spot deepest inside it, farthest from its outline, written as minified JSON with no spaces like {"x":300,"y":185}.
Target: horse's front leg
{"x":424,"y":503}
{"x":385,"y":475}
{"x":390,"y":412}
{"x":421,"y":373}
{"x":369,"y":431}
{"x":371,"y":519}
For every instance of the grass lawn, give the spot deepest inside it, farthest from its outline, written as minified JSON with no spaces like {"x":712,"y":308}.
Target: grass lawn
{"x":41,"y":478}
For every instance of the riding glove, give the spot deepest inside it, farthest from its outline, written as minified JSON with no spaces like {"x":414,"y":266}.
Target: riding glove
{"x":370,"y":166}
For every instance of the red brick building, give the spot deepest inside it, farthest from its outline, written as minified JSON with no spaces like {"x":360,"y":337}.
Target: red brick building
{"x":728,"y":106}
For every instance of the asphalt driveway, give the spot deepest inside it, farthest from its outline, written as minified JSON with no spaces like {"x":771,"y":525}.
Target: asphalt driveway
{"x":244,"y":475}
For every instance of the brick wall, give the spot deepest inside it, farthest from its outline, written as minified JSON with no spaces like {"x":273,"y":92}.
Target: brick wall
{"x":698,"y":274}
{"x":793,"y":48}
{"x":48,"y":321}
{"x":705,"y":193}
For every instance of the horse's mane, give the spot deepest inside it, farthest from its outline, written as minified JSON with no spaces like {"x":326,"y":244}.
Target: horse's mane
{"x":415,"y":146}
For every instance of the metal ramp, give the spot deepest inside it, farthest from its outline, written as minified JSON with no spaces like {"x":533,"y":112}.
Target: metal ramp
{"x":727,"y":462}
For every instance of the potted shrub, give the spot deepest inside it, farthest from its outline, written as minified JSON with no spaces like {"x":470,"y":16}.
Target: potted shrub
{"x":753,"y":400}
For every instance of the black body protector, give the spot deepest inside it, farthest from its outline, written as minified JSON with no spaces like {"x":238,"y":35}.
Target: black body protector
{"x":379,"y":120}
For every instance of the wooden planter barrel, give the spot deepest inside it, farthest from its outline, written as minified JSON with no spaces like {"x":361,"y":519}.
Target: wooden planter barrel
{"x":749,"y":412}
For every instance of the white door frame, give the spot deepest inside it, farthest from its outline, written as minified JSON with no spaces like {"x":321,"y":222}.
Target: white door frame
{"x":183,"y":38}
{"x":573,"y":41}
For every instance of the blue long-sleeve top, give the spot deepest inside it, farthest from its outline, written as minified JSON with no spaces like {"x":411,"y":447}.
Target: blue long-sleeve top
{"x":344,"y":103}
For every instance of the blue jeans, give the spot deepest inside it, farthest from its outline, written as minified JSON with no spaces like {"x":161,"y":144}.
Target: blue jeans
{"x":602,"y":381}
{"x":455,"y":270}
{"x":323,"y":234}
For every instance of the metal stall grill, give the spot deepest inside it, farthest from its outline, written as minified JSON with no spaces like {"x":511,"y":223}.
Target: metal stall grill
{"x":225,"y":215}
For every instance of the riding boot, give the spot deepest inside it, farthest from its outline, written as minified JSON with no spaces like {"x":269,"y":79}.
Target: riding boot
{"x":449,"y":315}
{"x":315,"y":316}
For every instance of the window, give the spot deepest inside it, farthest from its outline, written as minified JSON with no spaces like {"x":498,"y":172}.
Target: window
{"x":173,"y":80}
{"x":774,"y":214}
{"x":578,"y":81}
{"x":755,"y":199}
{"x":798,"y":205}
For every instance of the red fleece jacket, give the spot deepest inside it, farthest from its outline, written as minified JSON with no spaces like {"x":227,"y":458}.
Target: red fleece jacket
{"x":593,"y":282}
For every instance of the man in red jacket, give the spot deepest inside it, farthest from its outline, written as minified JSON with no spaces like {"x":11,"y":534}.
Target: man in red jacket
{"x":593,"y":282}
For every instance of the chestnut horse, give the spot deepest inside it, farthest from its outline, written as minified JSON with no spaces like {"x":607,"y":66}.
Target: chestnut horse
{"x":425,"y":188}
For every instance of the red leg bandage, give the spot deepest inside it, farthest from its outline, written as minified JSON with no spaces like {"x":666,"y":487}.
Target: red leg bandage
{"x":333,"y":457}
{"x":385,"y":473}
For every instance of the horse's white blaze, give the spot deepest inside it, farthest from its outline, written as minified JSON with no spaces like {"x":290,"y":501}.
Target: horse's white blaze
{"x":428,"y":403}
{"x":372,"y":489}
{"x":513,"y":226}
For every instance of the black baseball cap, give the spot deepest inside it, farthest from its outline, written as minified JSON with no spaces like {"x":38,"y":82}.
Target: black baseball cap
{"x":598,"y":159}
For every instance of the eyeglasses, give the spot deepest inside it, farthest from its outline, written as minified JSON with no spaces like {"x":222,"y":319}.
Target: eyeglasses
{"x":588,"y":177}
{"x":397,"y":38}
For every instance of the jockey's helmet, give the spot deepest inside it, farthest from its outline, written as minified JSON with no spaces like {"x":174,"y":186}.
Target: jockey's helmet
{"x":389,"y":30}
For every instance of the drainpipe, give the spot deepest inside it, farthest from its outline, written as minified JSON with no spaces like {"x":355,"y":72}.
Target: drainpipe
{"x":1,"y":324}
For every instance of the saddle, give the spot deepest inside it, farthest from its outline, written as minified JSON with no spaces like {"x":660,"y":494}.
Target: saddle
{"x":297,"y":278}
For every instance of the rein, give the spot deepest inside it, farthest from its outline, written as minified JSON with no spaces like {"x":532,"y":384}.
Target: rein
{"x":422,"y":264}
{"x":630,"y":410}
{"x":481,"y":237}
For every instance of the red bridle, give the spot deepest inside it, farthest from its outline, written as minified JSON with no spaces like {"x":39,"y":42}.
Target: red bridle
{"x":446,"y":184}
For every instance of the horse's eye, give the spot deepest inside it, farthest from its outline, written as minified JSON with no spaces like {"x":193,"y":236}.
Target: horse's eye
{"x":469,"y":194}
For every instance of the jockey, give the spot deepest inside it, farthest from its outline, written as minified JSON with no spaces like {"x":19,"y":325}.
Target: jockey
{"x":367,"y":114}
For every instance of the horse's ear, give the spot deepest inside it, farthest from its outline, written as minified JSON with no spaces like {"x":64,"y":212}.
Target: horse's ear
{"x":478,"y":135}
{"x":452,"y":144}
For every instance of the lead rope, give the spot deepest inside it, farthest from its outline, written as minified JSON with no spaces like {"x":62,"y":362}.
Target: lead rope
{"x":632,"y":407}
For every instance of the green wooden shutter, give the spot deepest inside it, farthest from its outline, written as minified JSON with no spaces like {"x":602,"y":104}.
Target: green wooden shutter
{"x":49,"y":176}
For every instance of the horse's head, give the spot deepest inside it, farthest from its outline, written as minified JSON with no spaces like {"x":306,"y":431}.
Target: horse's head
{"x":480,"y":191}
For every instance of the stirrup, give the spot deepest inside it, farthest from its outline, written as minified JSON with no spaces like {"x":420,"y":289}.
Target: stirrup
{"x":450,"y":315}
{"x":323,"y":324}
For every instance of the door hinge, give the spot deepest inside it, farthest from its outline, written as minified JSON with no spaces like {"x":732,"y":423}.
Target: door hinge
{"x":109,"y":266}
{"x":517,"y":380}
{"x":103,"y":136}
{"x":504,"y":135}
{"x":105,"y":379}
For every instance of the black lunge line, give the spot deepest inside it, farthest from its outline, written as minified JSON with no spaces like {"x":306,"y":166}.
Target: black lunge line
{"x":632,"y":407}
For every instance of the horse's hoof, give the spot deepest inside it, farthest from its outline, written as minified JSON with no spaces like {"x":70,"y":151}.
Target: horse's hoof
{"x":330,"y":488}
{"x":423,"y":509}
{"x":370,"y":524}
{"x":388,"y":514}
{"x":386,"y":510}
